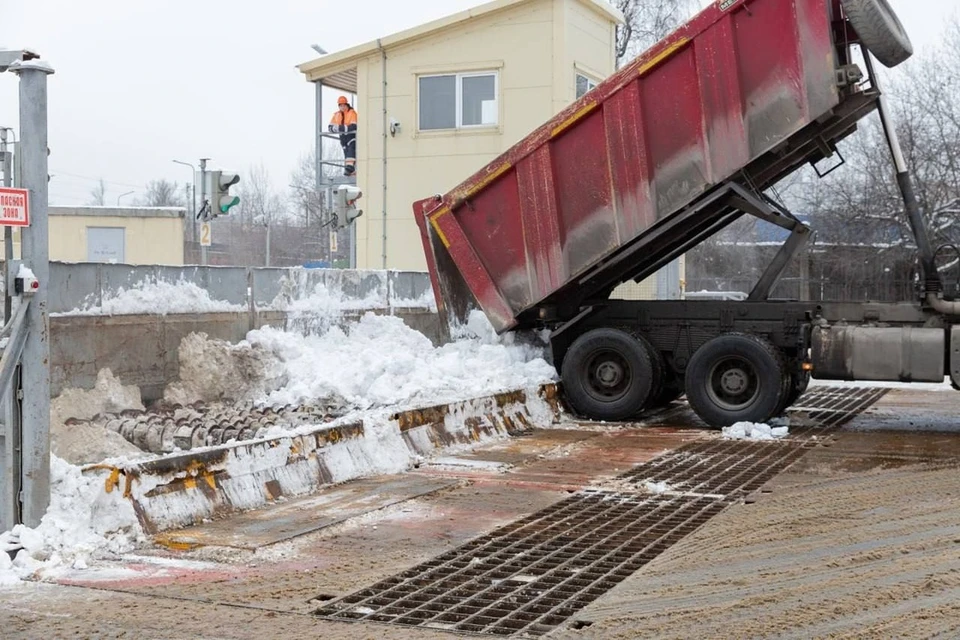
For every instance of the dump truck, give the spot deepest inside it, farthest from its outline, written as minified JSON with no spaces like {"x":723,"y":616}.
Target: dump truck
{"x":667,"y":152}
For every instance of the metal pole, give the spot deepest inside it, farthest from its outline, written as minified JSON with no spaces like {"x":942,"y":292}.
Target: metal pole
{"x":318,"y":164}
{"x":35,"y":252}
{"x":203,"y":202}
{"x":268,"y":244}
{"x":7,"y":231}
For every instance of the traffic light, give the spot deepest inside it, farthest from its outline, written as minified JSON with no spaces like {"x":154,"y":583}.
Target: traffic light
{"x":221,"y":200}
{"x":345,"y":205}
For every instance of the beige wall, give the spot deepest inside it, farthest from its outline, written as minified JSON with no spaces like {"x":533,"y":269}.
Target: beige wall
{"x":533,"y":46}
{"x":148,"y":240}
{"x":590,"y":45}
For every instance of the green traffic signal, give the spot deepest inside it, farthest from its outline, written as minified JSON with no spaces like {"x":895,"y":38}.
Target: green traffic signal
{"x":227,"y":203}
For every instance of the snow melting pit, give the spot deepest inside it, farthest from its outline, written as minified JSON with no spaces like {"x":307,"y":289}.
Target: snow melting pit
{"x":535,"y":574}
{"x":178,"y":490}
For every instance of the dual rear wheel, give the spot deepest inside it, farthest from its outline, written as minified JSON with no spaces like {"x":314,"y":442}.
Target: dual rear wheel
{"x":612,"y":375}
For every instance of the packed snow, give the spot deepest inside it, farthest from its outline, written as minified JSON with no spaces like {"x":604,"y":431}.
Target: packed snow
{"x":85,"y":443}
{"x":157,"y":297}
{"x":753,"y":431}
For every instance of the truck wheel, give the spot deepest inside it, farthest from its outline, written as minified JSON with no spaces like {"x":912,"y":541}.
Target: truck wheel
{"x":607,"y":375}
{"x":735,"y":378}
{"x":879,"y":29}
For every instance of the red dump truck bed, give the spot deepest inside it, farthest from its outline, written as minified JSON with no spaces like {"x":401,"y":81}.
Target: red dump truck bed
{"x":747,"y":90}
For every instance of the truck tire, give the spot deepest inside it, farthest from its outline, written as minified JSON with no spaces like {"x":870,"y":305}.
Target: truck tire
{"x":735,"y":378}
{"x":607,"y":375}
{"x":879,"y":29}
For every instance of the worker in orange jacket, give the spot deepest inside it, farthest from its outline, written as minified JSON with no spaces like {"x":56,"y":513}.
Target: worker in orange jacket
{"x":344,"y":122}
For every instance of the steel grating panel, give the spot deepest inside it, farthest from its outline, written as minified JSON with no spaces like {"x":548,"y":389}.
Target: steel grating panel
{"x":536,"y":573}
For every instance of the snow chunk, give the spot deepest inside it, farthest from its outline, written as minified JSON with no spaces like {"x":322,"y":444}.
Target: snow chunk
{"x":25,"y":272}
{"x":158,"y":297}
{"x":657,"y":487}
{"x":753,"y":431}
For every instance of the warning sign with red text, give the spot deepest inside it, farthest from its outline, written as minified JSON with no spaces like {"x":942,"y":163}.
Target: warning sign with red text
{"x":14,"y":207}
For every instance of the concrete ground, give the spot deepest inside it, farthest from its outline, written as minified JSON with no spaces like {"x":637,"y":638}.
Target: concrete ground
{"x":859,"y":538}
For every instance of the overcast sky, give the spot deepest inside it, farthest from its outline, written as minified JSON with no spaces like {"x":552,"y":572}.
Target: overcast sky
{"x":138,"y":83}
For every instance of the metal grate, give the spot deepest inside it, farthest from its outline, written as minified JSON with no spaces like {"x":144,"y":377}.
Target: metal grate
{"x":536,"y":573}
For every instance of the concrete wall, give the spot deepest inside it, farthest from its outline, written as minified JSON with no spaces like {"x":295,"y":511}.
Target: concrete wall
{"x":531,"y":46}
{"x":143,"y":350}
{"x":151,"y":235}
{"x":80,"y":286}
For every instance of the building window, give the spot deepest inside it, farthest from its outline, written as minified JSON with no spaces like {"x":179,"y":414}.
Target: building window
{"x":584,"y":84}
{"x":459,"y":101}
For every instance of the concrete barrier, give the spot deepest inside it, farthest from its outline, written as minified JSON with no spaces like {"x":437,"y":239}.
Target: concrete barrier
{"x":144,"y":349}
{"x":179,"y":490}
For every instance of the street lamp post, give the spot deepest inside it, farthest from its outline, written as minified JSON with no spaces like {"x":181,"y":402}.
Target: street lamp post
{"x":193,"y":200}
{"x":128,"y":193}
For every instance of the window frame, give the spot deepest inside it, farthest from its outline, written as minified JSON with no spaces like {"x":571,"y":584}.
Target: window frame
{"x":458,"y":88}
{"x":577,"y":74}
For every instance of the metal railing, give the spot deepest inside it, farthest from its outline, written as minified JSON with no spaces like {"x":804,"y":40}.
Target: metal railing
{"x":15,"y":333}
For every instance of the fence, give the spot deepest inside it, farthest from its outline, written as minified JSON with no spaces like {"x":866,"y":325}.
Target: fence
{"x":78,"y":286}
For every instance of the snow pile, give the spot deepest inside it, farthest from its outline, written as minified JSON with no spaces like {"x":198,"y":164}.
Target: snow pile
{"x":81,"y":523}
{"x":157,"y":297}
{"x":753,"y":431}
{"x":379,"y":361}
{"x":215,"y":371}
{"x":86,"y":443}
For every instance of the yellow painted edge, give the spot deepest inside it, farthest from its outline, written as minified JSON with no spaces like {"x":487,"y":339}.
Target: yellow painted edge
{"x":190,"y":483}
{"x":175,"y":545}
{"x":113,"y":481}
{"x":572,"y":120}
{"x":486,"y":181}
{"x":436,"y":226}
{"x":662,"y":56}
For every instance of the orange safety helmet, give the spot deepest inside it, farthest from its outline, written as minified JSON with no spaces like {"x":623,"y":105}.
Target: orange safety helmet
{"x":342,"y":100}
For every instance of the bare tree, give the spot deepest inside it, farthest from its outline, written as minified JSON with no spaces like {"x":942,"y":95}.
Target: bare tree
{"x":98,"y":195}
{"x":305,"y":200}
{"x":162,"y":193}
{"x":260,"y":204}
{"x":646,"y":22}
{"x":864,"y":246}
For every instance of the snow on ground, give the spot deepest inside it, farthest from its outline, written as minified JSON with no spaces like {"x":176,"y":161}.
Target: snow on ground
{"x":753,"y":431}
{"x":157,"y":297}
{"x":82,"y":520}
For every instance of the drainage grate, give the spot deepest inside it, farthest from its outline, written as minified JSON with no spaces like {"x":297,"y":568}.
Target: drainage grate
{"x":536,"y":573}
